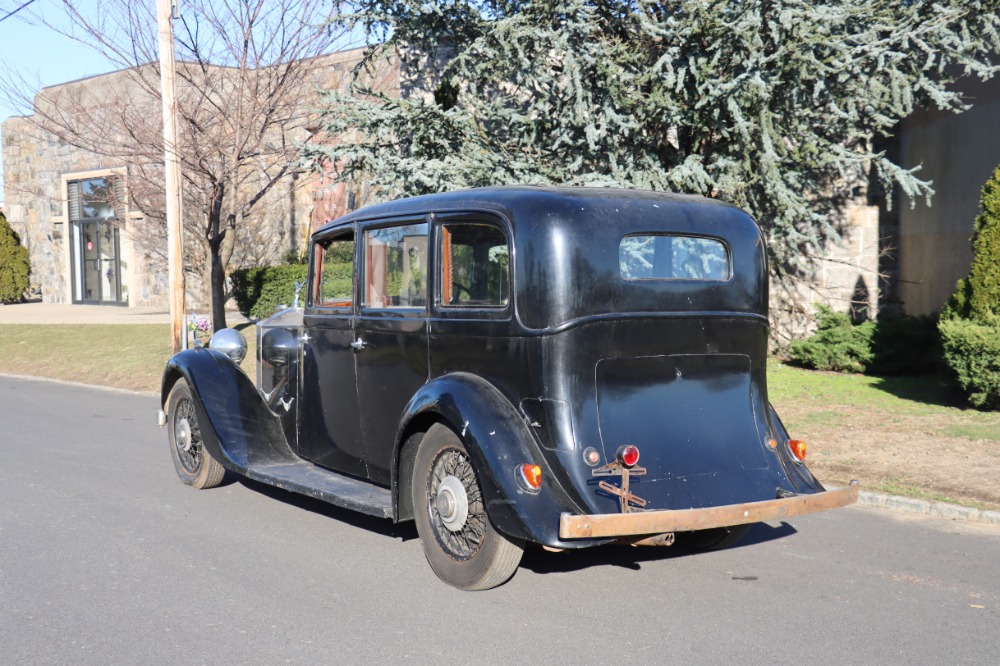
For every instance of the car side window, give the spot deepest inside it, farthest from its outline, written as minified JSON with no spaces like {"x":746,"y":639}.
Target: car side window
{"x":334,"y":273}
{"x":475,"y":266}
{"x":396,"y":266}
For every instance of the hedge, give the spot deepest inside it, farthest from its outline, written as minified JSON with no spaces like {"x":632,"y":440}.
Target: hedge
{"x":259,"y":291}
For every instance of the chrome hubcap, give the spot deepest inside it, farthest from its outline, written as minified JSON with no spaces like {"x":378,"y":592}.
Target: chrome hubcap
{"x":452,"y":503}
{"x":183,"y":434}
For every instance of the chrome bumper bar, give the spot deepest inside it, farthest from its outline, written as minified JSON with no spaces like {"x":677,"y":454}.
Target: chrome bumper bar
{"x":686,"y":520}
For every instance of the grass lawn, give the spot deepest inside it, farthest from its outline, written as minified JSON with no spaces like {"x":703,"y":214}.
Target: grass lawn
{"x":127,"y":356}
{"x":905,"y":435}
{"x":902,"y":435}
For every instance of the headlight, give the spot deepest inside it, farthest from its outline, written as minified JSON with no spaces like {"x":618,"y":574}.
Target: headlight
{"x":230,"y":342}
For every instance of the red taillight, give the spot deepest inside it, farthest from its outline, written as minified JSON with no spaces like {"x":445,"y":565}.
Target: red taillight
{"x":798,"y":448}
{"x":531,"y":476}
{"x":628,"y":455}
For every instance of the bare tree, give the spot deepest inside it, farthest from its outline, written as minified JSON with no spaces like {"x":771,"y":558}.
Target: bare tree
{"x":247,"y":73}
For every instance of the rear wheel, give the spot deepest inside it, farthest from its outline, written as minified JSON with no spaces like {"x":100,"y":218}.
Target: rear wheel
{"x":194,"y":465}
{"x":712,"y":539}
{"x":460,"y":544}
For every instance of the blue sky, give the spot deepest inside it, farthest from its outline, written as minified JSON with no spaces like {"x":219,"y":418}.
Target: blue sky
{"x":39,"y":53}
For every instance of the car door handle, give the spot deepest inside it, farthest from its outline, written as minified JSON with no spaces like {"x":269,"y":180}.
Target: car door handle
{"x":359,"y":344}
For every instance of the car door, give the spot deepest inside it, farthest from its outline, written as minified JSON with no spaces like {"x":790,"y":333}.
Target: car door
{"x":330,"y":431}
{"x":390,"y":333}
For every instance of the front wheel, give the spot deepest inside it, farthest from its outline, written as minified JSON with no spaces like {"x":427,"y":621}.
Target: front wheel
{"x":194,"y":464}
{"x":460,"y":544}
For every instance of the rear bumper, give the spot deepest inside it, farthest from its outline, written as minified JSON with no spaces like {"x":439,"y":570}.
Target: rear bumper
{"x":687,"y":520}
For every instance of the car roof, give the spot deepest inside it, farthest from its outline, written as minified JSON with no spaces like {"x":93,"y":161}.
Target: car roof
{"x":514,"y":201}
{"x":568,"y":238}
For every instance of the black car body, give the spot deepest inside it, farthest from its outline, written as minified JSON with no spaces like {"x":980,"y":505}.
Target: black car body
{"x":490,"y":362}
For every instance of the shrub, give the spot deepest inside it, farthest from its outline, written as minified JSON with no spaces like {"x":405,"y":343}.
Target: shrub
{"x":836,"y":345}
{"x":905,"y":346}
{"x":259,"y":291}
{"x":977,"y":297}
{"x":15,"y":267}
{"x":970,"y":322}
{"x":972,"y":350}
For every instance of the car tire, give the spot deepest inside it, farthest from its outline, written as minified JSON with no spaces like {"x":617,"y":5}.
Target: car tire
{"x":713,"y":539}
{"x":460,"y":544}
{"x":194,"y":464}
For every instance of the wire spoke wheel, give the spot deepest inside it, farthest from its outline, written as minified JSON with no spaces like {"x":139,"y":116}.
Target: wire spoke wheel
{"x":194,"y":464}
{"x":458,"y":514}
{"x":187,"y":436}
{"x":461,"y":545}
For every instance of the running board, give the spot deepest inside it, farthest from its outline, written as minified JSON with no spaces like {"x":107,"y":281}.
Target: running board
{"x":326,"y":485}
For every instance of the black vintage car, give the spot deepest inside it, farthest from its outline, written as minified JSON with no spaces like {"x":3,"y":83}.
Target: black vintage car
{"x":563,"y":366}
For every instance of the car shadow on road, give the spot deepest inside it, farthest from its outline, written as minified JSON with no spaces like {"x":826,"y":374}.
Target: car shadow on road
{"x":632,"y":557}
{"x":535,"y":558}
{"x":403,"y":531}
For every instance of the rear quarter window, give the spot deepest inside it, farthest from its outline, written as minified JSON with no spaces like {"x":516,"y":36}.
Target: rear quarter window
{"x":673,"y":257}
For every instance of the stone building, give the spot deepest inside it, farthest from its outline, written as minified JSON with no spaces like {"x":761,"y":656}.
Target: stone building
{"x":80,"y":211}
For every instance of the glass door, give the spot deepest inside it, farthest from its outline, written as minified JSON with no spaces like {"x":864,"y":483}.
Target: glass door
{"x":95,"y":243}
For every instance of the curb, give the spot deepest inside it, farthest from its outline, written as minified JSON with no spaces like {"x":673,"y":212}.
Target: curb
{"x":925,"y":508}
{"x":96,"y":387}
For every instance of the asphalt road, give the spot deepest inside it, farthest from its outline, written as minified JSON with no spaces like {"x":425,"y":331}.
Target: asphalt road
{"x":106,"y":558}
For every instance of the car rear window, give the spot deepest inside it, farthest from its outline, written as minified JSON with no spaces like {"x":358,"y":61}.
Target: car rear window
{"x":673,"y":257}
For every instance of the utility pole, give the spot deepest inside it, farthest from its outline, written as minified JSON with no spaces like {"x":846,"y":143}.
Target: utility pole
{"x":172,"y":169}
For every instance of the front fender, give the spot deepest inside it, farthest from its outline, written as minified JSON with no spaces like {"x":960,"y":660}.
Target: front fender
{"x":231,"y":413}
{"x":498,"y":441}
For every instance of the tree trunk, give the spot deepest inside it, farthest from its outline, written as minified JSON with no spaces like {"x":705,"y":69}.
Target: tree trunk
{"x":218,"y":290}
{"x":217,"y":265}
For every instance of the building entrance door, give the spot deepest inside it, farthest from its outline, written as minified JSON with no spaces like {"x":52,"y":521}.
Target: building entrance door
{"x":95,"y":242}
{"x":101,"y":269}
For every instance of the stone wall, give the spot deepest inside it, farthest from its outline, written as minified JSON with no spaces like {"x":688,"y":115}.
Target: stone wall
{"x":34,"y":164}
{"x":843,"y":275}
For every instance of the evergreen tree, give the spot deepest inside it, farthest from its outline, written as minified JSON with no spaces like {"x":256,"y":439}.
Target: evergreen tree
{"x":977,"y":297}
{"x":14,"y":264}
{"x":769,"y":104}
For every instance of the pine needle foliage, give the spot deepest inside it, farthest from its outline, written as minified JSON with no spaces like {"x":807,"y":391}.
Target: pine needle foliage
{"x":15,"y":266}
{"x":977,"y":297}
{"x":769,"y":104}
{"x":970,"y":321}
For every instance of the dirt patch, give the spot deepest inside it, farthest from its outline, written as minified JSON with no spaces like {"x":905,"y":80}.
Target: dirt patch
{"x":933,"y":456}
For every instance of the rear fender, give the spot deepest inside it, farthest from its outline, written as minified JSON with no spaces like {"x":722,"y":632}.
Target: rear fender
{"x":498,"y":441}
{"x":230,"y":411}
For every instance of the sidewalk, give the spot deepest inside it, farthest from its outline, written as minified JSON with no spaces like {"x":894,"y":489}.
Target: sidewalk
{"x":59,"y":313}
